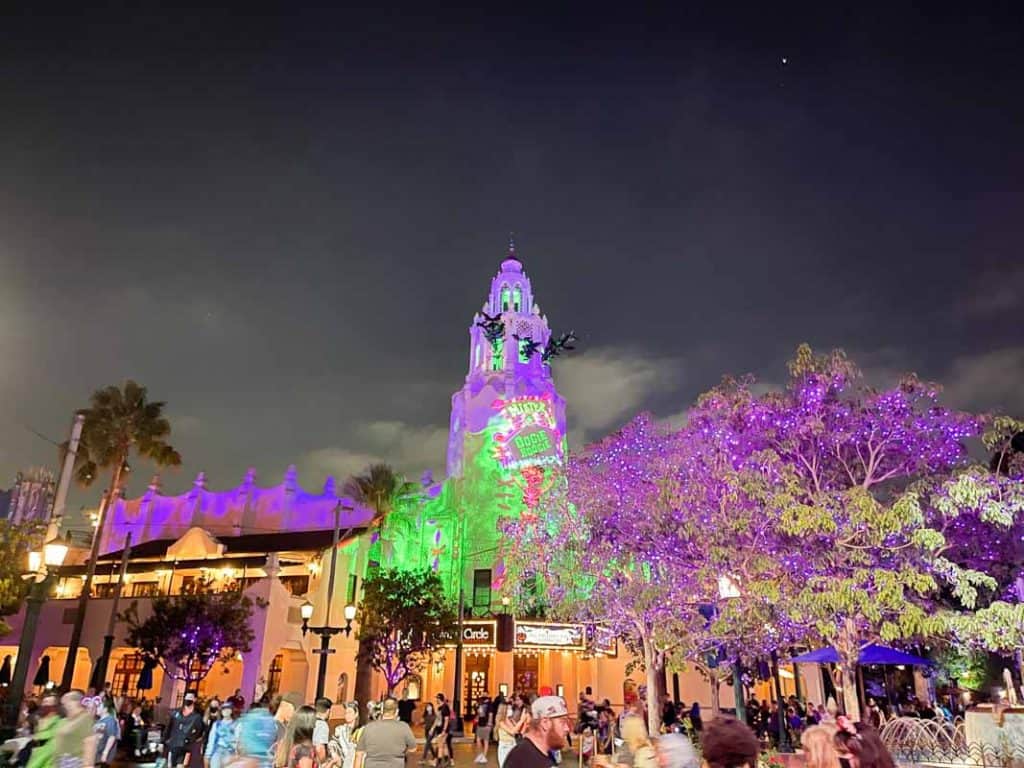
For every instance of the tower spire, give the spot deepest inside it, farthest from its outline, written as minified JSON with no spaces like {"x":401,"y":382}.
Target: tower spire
{"x":511,"y":245}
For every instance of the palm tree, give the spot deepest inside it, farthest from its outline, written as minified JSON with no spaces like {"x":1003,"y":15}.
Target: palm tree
{"x":378,"y":487}
{"x":118,"y":422}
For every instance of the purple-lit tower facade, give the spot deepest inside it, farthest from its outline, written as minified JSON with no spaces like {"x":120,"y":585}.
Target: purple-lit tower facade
{"x":508,"y":415}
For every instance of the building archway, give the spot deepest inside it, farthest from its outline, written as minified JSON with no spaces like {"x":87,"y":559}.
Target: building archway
{"x":124,"y":670}
{"x":342,"y":696}
{"x":294,"y":671}
{"x":222,"y":680}
{"x":58,"y":658}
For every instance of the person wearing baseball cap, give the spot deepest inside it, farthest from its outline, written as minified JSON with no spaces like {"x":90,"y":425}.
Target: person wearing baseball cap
{"x":547,"y":733}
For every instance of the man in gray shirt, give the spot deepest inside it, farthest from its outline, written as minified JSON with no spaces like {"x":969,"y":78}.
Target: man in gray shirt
{"x":385,"y":742}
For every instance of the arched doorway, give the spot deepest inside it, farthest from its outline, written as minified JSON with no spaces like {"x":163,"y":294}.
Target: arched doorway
{"x":342,"y":688}
{"x":274,"y":674}
{"x":58,"y":658}
{"x":293,"y":674}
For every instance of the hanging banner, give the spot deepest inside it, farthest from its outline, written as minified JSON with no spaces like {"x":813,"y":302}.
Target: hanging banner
{"x":603,"y":642}
{"x":565,"y":637}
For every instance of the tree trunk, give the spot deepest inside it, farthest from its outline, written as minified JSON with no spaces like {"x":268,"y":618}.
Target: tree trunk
{"x":849,"y":651}
{"x":716,"y":699}
{"x":654,"y":666}
{"x":851,"y":703}
{"x":364,"y":676}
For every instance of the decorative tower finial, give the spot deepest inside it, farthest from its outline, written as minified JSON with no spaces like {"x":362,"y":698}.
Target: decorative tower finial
{"x":511,"y":245}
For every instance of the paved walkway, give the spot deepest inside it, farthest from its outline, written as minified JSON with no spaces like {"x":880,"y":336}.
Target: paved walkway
{"x":464,"y":750}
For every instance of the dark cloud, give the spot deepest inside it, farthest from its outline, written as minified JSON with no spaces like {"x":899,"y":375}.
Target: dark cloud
{"x":281,"y":220}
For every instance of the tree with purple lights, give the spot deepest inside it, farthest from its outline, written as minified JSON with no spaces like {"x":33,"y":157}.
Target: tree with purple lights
{"x":637,"y":538}
{"x":981,"y":514}
{"x":603,"y":549}
{"x":730,"y":494}
{"x":864,"y":561}
{"x":981,"y":510}
{"x":188,"y":634}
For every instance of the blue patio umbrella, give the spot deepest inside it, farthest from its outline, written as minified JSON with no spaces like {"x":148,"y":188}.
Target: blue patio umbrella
{"x":880,"y":654}
{"x":869,"y":654}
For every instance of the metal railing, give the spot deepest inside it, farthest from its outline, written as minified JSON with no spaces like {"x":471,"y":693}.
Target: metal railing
{"x":916,"y":742}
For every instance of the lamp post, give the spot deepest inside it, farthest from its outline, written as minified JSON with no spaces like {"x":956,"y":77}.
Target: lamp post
{"x":457,"y":725}
{"x":784,"y":745}
{"x":42,"y":567}
{"x":728,"y":589}
{"x":100,"y":673}
{"x":326,"y":631}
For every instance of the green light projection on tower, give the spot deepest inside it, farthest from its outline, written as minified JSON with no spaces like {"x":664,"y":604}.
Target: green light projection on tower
{"x":512,"y":463}
{"x":506,"y":444}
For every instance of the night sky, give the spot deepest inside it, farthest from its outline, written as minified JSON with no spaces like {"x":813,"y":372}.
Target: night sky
{"x":281,"y":220}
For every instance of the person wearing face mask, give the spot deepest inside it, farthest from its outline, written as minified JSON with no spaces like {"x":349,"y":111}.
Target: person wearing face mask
{"x":48,"y":715}
{"x":184,"y":734}
{"x":221,"y":741}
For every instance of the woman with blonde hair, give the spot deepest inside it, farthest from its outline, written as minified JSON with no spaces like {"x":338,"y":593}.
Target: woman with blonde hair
{"x":637,"y":750}
{"x":819,"y":746}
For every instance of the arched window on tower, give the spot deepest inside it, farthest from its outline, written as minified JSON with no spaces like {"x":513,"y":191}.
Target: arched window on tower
{"x":517,"y":298}
{"x":504,"y":298}
{"x":497,"y":354}
{"x":523,"y":357}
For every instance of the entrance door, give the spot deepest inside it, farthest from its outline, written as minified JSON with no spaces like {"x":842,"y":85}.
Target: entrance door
{"x":525,"y":672}
{"x":476,"y":682}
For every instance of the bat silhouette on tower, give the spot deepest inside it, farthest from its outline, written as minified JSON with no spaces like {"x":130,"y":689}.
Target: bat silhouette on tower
{"x":530,"y":348}
{"x":554,"y":348}
{"x":494,"y":326}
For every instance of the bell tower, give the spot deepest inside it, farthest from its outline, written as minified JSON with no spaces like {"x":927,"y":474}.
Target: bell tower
{"x":508,"y":413}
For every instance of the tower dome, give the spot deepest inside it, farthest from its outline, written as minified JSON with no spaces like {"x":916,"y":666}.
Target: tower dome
{"x":512,"y":264}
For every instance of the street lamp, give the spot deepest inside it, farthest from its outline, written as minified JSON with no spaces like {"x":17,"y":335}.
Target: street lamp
{"x":55,"y":550}
{"x":42,"y":570}
{"x":729,"y":589}
{"x":326,"y":632}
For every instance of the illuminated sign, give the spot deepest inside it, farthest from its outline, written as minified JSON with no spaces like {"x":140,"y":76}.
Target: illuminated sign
{"x":602,"y":641}
{"x":531,"y":443}
{"x":527,"y":433}
{"x":566,"y":637}
{"x":476,"y":634}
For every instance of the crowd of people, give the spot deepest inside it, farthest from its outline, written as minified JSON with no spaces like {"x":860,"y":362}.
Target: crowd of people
{"x":798,"y":716}
{"x":85,"y":731}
